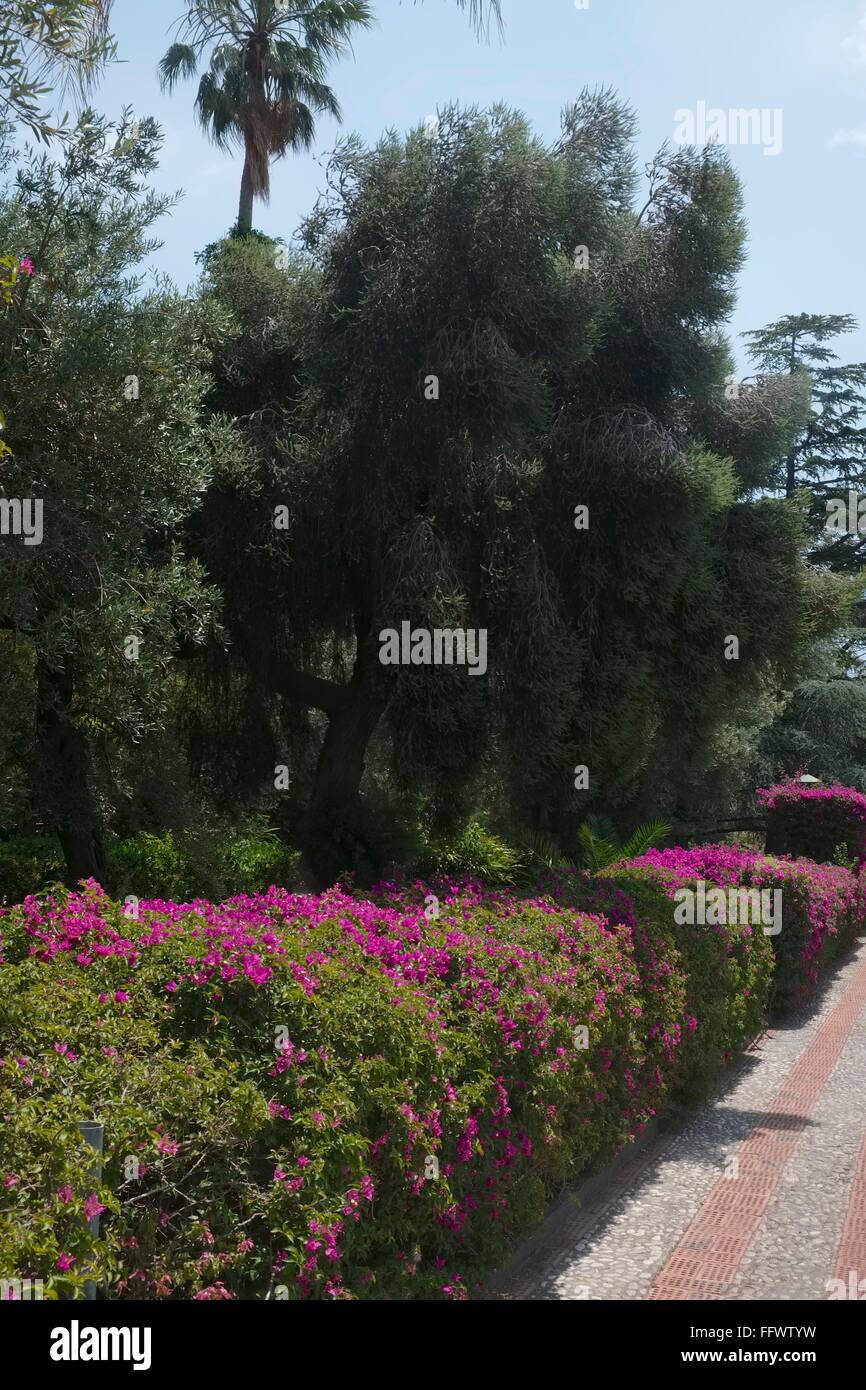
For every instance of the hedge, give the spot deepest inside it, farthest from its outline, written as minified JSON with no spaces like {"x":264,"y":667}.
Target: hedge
{"x":823,"y":906}
{"x":328,"y":1097}
{"x":815,"y":822}
{"x":727,"y":968}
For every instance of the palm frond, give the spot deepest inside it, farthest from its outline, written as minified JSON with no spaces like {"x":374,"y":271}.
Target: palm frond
{"x":217,"y":112}
{"x":646,"y":835}
{"x":483,"y":13}
{"x":596,"y":851}
{"x":180,"y":61}
{"x":328,"y":24}
{"x":542,"y":853}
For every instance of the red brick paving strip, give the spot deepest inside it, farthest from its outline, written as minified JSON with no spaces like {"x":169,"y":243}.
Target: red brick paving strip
{"x":851,"y":1255}
{"x":704,"y":1264}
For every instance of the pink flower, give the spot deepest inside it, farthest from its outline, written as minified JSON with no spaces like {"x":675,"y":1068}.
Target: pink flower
{"x":92,"y":1207}
{"x":120,"y":996}
{"x":167,"y":1146}
{"x":303,"y":1161}
{"x":64,"y":1194}
{"x":25,"y":266}
{"x":64,"y":1261}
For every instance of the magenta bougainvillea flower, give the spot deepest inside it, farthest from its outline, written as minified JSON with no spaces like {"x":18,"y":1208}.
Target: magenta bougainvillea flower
{"x":25,"y":266}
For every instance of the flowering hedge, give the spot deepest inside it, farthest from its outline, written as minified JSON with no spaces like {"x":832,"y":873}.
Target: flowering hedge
{"x":814,"y":822}
{"x":324,"y":1097}
{"x":727,"y":967}
{"x":823,"y":906}
{"x":240,"y":1160}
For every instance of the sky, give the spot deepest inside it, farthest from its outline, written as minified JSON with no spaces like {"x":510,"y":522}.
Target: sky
{"x":805,"y":205}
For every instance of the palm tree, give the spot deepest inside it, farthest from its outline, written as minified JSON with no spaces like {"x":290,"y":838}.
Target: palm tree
{"x":265,"y":80}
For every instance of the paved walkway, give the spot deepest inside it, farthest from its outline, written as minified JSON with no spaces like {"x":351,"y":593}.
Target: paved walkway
{"x":761,"y":1196}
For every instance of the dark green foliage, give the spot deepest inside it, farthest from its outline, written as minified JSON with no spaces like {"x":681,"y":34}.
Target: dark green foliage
{"x":815,"y":824}
{"x":180,"y":866}
{"x":452,"y":257}
{"x":104,"y":384}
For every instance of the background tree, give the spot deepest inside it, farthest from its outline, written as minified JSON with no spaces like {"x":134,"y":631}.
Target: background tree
{"x":429,"y":393}
{"x":818,"y":722}
{"x":105,"y":382}
{"x":829,"y":452}
{"x":265,"y":81}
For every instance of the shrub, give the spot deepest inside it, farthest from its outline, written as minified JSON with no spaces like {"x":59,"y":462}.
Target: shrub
{"x":477,"y":853}
{"x":28,"y":864}
{"x":301,"y":1162}
{"x":331,"y":1097}
{"x":813,"y":822}
{"x":193,"y":864}
{"x":727,"y":969}
{"x":822,"y":906}
{"x":174,"y":865}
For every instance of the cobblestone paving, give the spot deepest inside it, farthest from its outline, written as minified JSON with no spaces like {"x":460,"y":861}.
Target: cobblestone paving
{"x":761,"y":1196}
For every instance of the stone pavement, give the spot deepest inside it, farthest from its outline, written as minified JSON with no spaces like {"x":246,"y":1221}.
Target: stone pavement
{"x":762,"y":1195}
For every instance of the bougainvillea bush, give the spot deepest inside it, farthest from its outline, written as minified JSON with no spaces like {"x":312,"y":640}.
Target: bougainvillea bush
{"x":727,"y":967}
{"x":822,"y":906}
{"x":814,"y":821}
{"x":282,"y":1078}
{"x":330,"y":1097}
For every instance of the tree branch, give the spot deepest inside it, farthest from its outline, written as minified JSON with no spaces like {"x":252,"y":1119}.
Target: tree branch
{"x":314,"y":691}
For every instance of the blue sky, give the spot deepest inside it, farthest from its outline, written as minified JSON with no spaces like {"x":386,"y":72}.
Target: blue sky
{"x":806,"y":206}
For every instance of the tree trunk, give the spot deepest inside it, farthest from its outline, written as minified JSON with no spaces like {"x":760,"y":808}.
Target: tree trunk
{"x":791,"y":474}
{"x":62,"y":781}
{"x":335,"y":838}
{"x":245,"y":207}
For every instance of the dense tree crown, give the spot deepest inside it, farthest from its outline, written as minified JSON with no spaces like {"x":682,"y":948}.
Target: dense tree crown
{"x":481,"y":338}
